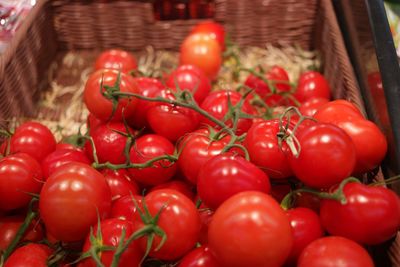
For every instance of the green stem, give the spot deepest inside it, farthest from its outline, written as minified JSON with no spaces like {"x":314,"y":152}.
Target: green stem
{"x":230,"y":146}
{"x":149,"y":163}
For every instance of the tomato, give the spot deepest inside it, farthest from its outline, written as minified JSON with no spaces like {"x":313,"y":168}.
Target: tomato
{"x":109,"y":140}
{"x":72,"y":199}
{"x":312,"y":84}
{"x":308,"y":200}
{"x":20,"y":174}
{"x":206,"y":215}
{"x":279,"y":80}
{"x":366,"y":207}
{"x":29,"y":255}
{"x":199,"y":257}
{"x":334,"y":251}
{"x":217,"y":105}
{"x":310,"y":106}
{"x":264,"y":150}
{"x":181,"y":186}
{"x":92,"y":122}
{"x":280,"y":190}
{"x":378,"y":95}
{"x":178,"y":219}
{"x":116,"y":59}
{"x":306,"y":227}
{"x":338,"y":110}
{"x":34,"y":139}
{"x":227,"y":174}
{"x":215,"y":30}
{"x":327,"y":156}
{"x":201,"y":50}
{"x":102,"y":107}
{"x":250,"y":229}
{"x":125,"y":207}
{"x":9,"y":226}
{"x":111,"y":231}
{"x":146,"y":148}
{"x":60,"y":157}
{"x":120,"y":183}
{"x":191,"y":78}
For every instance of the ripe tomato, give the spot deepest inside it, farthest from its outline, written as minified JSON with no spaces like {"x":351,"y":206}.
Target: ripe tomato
{"x":102,"y":107}
{"x":116,"y":59}
{"x":217,"y":104}
{"x":201,"y":50}
{"x":366,"y":207}
{"x":310,"y":106}
{"x":146,"y":148}
{"x":199,"y":257}
{"x":206,"y":215}
{"x":338,"y":110}
{"x":191,"y":78}
{"x":20,"y":174}
{"x":327,"y":156}
{"x":29,"y":255}
{"x":111,"y":230}
{"x":178,"y":219}
{"x":227,"y":174}
{"x":181,"y":186}
{"x":71,"y":199}
{"x":120,"y":183}
{"x":215,"y":30}
{"x":125,"y":207}
{"x":306,"y":227}
{"x":334,"y":251}
{"x":109,"y":140}
{"x":312,"y":84}
{"x":250,"y":229}
{"x":264,"y":150}
{"x":60,"y":157}
{"x":34,"y":139}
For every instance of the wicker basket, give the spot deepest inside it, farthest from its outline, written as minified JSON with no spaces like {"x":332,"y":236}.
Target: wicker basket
{"x":54,"y":27}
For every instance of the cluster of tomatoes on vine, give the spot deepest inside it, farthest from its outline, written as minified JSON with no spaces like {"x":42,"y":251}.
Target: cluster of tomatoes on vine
{"x":172,"y":172}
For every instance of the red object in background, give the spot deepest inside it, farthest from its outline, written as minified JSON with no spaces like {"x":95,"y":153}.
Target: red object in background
{"x":183,"y":9}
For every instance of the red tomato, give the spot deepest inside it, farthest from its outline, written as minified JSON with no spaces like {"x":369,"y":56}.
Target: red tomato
{"x":109,"y":140}
{"x":125,"y":207}
{"x":206,"y":215}
{"x":250,"y":229}
{"x":116,"y":59}
{"x":111,"y":231}
{"x":146,"y":148}
{"x":60,"y":157}
{"x":338,"y":110}
{"x":191,"y":78}
{"x":34,"y":139}
{"x":215,"y":30}
{"x":92,"y":122}
{"x":326,"y":158}
{"x":9,"y":226}
{"x":226,"y":175}
{"x":334,"y":251}
{"x":29,"y":255}
{"x":120,"y":183}
{"x":201,"y":50}
{"x":20,"y":174}
{"x":312,"y":84}
{"x":306,"y":227}
{"x":310,"y":106}
{"x":264,"y":150}
{"x":102,"y":107}
{"x":366,"y":207}
{"x":199,"y":257}
{"x":217,"y":104}
{"x":74,"y":189}
{"x":280,"y":190}
{"x":178,"y":219}
{"x":181,"y":186}
{"x":148,"y":87}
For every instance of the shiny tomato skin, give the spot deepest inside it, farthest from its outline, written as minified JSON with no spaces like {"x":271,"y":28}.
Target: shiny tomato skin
{"x":181,"y":186}
{"x":120,"y":183}
{"x":306,"y":227}
{"x":212,"y":28}
{"x":334,"y":251}
{"x":206,"y":215}
{"x":29,"y":255}
{"x":201,"y":50}
{"x":179,"y":218}
{"x":111,"y":230}
{"x":125,"y":207}
{"x":199,"y":257}
{"x":60,"y":157}
{"x":312,"y":84}
{"x":262,"y":144}
{"x":311,"y":106}
{"x":92,"y":122}
{"x":146,"y":148}
{"x":338,"y":110}
{"x":250,"y":229}
{"x":9,"y":226}
{"x":102,"y":107}
{"x":327,"y":156}
{"x":20,"y":174}
{"x":366,"y":207}
{"x":191,"y":78}
{"x":76,"y":188}
{"x":116,"y":59}
{"x":33,"y":138}
{"x":227,"y":174}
